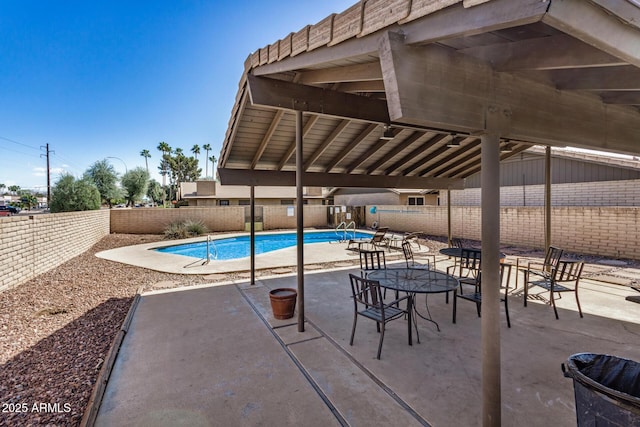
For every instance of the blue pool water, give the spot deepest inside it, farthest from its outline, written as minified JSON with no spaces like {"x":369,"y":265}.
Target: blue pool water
{"x":238,"y":247}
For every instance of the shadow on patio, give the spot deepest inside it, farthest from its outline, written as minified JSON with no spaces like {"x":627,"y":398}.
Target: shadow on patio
{"x":216,"y":356}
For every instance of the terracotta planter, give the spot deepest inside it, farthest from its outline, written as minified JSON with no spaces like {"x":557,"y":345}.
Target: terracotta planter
{"x":283,"y":302}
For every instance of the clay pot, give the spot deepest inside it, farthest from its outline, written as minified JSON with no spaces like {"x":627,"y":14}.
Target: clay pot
{"x":283,"y":302}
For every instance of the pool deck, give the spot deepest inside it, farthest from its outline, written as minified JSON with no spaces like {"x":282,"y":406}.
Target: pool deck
{"x":215,"y":355}
{"x":144,"y":256}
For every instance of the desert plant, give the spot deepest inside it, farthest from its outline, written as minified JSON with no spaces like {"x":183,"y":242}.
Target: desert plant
{"x":184,"y":229}
{"x":195,"y":228}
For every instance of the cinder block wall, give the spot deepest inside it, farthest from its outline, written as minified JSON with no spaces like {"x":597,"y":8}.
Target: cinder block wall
{"x":155,"y":220}
{"x":218,"y":218}
{"x":601,"y":193}
{"x":606,"y":231}
{"x":275,"y":217}
{"x":33,"y":244}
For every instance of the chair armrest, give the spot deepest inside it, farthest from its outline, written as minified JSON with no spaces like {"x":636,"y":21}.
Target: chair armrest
{"x":396,"y":301}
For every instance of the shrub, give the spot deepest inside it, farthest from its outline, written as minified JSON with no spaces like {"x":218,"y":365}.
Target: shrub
{"x":184,"y":229}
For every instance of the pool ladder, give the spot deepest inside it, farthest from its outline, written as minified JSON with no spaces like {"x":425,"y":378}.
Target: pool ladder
{"x":211,"y":245}
{"x":345,"y":229}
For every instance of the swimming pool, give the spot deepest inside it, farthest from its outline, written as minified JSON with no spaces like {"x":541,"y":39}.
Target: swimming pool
{"x":239,"y":247}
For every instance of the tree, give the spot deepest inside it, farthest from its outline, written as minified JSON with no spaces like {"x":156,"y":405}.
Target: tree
{"x":70,"y":195}
{"x":146,"y":155}
{"x":134,"y":183}
{"x":28,"y":199}
{"x":213,"y":164}
{"x":105,"y":178}
{"x":207,"y":148}
{"x":155,"y":192}
{"x":165,"y":149}
{"x":13,"y":189}
{"x":181,"y":168}
{"x":2,"y":186}
{"x":195,"y":150}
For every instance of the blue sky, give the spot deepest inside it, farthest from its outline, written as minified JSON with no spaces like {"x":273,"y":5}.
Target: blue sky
{"x":109,"y":78}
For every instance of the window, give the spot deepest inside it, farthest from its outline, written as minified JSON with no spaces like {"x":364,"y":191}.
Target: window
{"x":415,"y":201}
{"x":286,"y":202}
{"x":223,"y":203}
{"x":244,"y":202}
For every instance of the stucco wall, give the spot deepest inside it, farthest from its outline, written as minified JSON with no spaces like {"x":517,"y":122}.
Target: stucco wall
{"x":33,"y":244}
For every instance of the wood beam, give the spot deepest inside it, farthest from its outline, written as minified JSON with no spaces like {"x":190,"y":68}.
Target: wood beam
{"x":433,"y":169}
{"x":362,"y":87}
{"x":321,"y":179}
{"x":544,"y":53}
{"x":366,"y":155}
{"x":325,"y":144}
{"x":621,"y":98}
{"x":458,"y":21}
{"x":292,"y":96}
{"x":516,"y":150}
{"x":292,"y":147}
{"x":351,"y":73}
{"x":460,"y":88}
{"x":413,"y":137}
{"x":417,"y":152}
{"x":352,"y":145}
{"x":598,"y":79}
{"x":598,"y":27}
{"x":267,"y":137}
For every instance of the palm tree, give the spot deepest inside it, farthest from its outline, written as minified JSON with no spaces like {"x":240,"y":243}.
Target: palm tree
{"x":165,"y":149}
{"x":146,"y":155}
{"x":207,"y":148}
{"x":213,"y":162}
{"x":195,"y":150}
{"x":2,"y":186}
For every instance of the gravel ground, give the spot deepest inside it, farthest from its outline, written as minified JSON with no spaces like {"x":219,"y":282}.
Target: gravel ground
{"x":56,"y":330}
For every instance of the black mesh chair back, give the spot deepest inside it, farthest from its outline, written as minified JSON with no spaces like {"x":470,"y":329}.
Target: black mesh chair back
{"x":475,"y":295}
{"x":369,"y":303}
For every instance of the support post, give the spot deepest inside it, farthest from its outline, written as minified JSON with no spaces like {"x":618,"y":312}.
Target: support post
{"x":449,"y":236}
{"x":300,"y":220}
{"x":252,"y":229}
{"x":547,"y":198}
{"x":490,"y":323}
{"x":497,"y":122}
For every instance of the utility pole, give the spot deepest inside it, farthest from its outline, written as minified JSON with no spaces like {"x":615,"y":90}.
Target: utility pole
{"x":48,"y":172}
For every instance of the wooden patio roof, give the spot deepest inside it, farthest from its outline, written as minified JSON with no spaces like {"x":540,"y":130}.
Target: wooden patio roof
{"x":430,"y":75}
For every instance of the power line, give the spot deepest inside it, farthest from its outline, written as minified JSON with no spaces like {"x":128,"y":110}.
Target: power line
{"x":19,"y":143}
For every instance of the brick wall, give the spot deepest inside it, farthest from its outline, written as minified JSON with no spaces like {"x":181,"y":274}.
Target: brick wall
{"x":154,"y":220}
{"x":215,"y":218}
{"x":33,"y":244}
{"x":603,"y":193}
{"x":606,"y":231}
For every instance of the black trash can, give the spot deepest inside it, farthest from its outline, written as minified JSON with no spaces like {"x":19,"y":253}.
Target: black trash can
{"x":607,"y":389}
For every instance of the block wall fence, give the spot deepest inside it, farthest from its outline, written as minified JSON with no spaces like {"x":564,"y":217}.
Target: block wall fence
{"x":607,"y":231}
{"x":33,"y":244}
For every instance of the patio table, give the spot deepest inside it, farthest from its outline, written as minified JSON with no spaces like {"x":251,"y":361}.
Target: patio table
{"x":415,"y":281}
{"x":457,"y":252}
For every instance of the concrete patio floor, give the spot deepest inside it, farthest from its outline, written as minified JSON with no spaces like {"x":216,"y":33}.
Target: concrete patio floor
{"x":214,"y":355}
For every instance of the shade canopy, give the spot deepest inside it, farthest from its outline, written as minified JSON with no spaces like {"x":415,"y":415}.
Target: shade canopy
{"x":435,"y":75}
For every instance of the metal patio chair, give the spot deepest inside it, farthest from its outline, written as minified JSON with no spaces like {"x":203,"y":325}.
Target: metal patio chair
{"x":475,"y":295}
{"x":368,"y":303}
{"x":565,"y":277}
